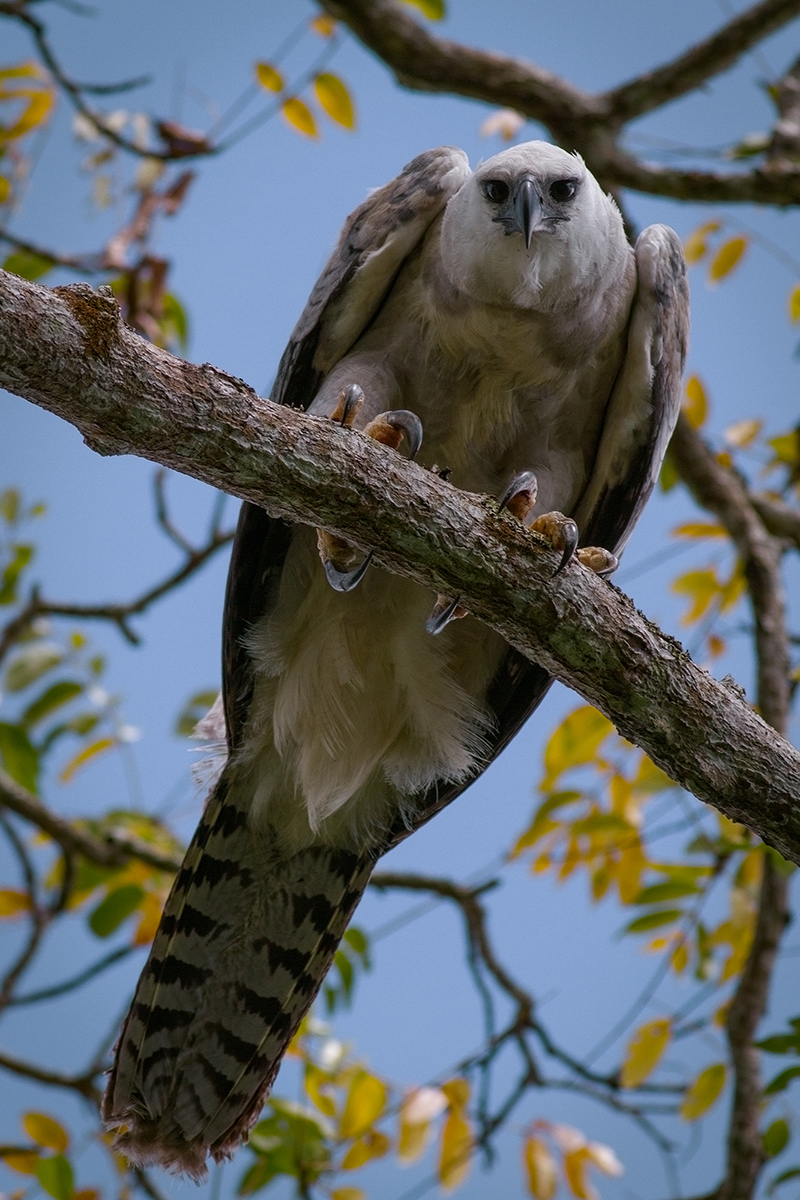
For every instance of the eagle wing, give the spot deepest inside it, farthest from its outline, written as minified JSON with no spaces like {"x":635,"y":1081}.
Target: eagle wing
{"x":376,"y":240}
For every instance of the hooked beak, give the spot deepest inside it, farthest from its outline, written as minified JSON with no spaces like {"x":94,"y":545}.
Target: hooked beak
{"x":527,"y":209}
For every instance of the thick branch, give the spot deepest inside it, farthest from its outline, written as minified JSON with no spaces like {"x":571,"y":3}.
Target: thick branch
{"x":108,"y":852}
{"x":66,"y":350}
{"x":578,"y":120}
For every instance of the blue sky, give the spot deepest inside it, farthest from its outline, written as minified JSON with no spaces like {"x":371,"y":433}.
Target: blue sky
{"x":246,"y":249}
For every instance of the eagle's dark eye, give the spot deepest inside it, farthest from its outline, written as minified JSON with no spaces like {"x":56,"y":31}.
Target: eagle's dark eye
{"x":495,"y":190}
{"x":563,"y":189}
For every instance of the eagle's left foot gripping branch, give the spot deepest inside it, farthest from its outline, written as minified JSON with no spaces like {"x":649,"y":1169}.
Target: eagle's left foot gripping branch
{"x":340,"y":560}
{"x":519,"y":499}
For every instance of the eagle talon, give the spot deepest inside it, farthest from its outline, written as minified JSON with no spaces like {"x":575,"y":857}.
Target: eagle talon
{"x":444,"y":611}
{"x":520,"y":495}
{"x":345,"y":581}
{"x":348,"y":403}
{"x":389,"y":429}
{"x":596,"y":559}
{"x":562,"y":533}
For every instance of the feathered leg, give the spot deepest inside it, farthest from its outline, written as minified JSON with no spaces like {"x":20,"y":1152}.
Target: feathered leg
{"x":247,"y":936}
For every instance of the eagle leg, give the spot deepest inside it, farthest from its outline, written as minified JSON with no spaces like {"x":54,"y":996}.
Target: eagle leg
{"x":339,"y":558}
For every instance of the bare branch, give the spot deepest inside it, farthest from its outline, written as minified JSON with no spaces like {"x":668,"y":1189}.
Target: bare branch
{"x":67,"y":351}
{"x":781,"y":519}
{"x":76,"y":1083}
{"x":708,"y":58}
{"x":108,"y":851}
{"x":118,"y":614}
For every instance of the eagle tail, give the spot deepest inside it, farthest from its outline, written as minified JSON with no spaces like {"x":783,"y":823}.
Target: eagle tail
{"x":246,"y":938}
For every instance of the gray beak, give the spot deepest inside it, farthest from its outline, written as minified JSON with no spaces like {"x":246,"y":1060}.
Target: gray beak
{"x":527,"y":209}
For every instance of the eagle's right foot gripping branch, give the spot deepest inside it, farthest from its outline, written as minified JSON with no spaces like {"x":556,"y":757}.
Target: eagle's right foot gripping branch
{"x":339,"y":558}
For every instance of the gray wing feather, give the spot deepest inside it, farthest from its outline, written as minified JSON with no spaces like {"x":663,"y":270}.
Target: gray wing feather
{"x":646,"y":398}
{"x":375,"y":241}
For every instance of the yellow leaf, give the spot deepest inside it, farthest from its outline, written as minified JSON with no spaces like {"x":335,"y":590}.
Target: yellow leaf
{"x":299,"y":116}
{"x":576,"y":1165}
{"x":45,"y":1131}
{"x":540,"y":1169}
{"x":13,"y":902}
{"x":703,"y":1092}
{"x":696,"y":403}
{"x":366,"y":1101}
{"x":371,"y":1145}
{"x":574,"y":742}
{"x":702,"y":587}
{"x":680,"y":957}
{"x":348,"y":1193}
{"x":323,"y":25}
{"x":743,"y":433}
{"x":432,"y":9}
{"x":457,"y":1092}
{"x":150,"y":908}
{"x":24,"y":1161}
{"x":89,"y":752}
{"x":696,"y":244}
{"x":726,"y":258}
{"x":269,"y":77}
{"x":39,"y":105}
{"x":794,"y":305}
{"x":5,"y":189}
{"x":315,"y":1081}
{"x":716,"y":645}
{"x":335,"y":99}
{"x":699,"y":529}
{"x":629,"y":872}
{"x":644,"y":1052}
{"x":417,"y":1112}
{"x":456,"y":1151}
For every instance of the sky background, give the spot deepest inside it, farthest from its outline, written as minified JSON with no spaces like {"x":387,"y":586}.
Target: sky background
{"x":246,"y":249}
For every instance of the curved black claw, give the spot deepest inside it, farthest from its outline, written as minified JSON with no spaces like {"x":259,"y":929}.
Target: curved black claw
{"x":570,"y":535}
{"x":410,"y":424}
{"x":350,"y":400}
{"x":345,"y":581}
{"x":441,"y":616}
{"x":525,"y":484}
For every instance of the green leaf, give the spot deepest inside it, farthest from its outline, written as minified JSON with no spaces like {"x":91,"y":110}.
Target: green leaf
{"x":669,"y":475}
{"x":19,"y":756}
{"x":356,"y":938}
{"x":345,"y":968}
{"x":784,"y":1177}
{"x":656,"y":893}
{"x":28,"y":265}
{"x":664,"y":916}
{"x":174,"y":323}
{"x":781,"y":1043}
{"x":193,"y":710}
{"x":112,"y":911}
{"x":29,"y":666}
{"x":51,"y":699}
{"x":703,"y":1092}
{"x":775,"y":1138}
{"x":22,"y":555}
{"x":434,"y":10}
{"x":782,"y":1081}
{"x":55,"y":1176}
{"x":9,"y":505}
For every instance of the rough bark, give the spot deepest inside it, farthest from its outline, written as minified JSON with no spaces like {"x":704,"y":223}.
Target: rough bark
{"x":67,"y":351}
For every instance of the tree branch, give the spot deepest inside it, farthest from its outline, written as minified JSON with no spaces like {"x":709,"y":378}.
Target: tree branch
{"x":708,"y":58}
{"x":578,"y":120}
{"x":108,"y":851}
{"x":67,"y":351}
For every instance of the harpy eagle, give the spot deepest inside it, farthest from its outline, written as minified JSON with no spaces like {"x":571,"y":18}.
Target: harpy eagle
{"x":506,"y":310}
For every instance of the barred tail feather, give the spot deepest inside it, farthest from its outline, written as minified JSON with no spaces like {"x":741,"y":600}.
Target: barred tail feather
{"x":246,"y":938}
